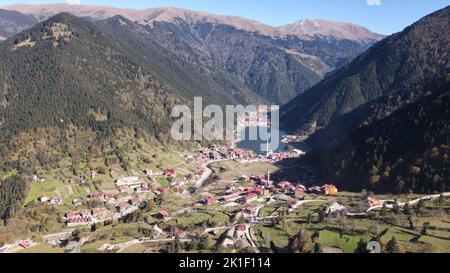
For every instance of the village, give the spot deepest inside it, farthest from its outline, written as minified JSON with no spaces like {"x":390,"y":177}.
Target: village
{"x":137,"y":191}
{"x":248,"y":199}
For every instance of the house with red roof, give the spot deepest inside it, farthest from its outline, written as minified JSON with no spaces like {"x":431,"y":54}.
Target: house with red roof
{"x":143,"y":188}
{"x":170,"y":173}
{"x":301,"y":187}
{"x":249,"y":198}
{"x":298,"y":193}
{"x":209,"y":200}
{"x":163,"y":214}
{"x":261,"y":191}
{"x":78,"y":218}
{"x":284,"y":185}
{"x":248,"y":209}
{"x":180,"y":234}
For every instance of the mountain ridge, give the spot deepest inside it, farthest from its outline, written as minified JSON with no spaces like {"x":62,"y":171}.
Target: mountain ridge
{"x":274,"y":67}
{"x":328,"y":28}
{"x":419,"y":53}
{"x":169,"y":14}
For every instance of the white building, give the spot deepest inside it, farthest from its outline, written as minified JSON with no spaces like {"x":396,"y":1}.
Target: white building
{"x":132,"y":182}
{"x":336,"y":209}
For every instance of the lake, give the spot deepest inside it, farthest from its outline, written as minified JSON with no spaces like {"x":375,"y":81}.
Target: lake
{"x":255,"y":145}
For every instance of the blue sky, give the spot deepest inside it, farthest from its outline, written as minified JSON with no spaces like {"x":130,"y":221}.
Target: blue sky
{"x":382,"y":16}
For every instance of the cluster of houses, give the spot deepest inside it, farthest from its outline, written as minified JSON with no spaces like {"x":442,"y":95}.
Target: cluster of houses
{"x":89,"y":217}
{"x":286,"y":187}
{"x":227,"y":151}
{"x":85,"y":217}
{"x":279,"y":156}
{"x":265,"y":187}
{"x":242,"y":196}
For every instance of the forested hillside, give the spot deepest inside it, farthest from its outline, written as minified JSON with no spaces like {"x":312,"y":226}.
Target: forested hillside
{"x":67,"y":89}
{"x":65,"y":71}
{"x":191,"y":76}
{"x":12,"y":22}
{"x":406,"y":151}
{"x":418,"y":54}
{"x":250,"y":61}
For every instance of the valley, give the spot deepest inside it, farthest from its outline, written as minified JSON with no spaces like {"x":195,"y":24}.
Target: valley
{"x":89,"y":162}
{"x":234,"y":209}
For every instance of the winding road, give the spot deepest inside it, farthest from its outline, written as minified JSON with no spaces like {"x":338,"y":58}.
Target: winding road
{"x":208,"y":172}
{"x":412,"y":202}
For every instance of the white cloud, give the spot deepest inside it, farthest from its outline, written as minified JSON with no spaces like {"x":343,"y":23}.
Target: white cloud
{"x":374,"y":2}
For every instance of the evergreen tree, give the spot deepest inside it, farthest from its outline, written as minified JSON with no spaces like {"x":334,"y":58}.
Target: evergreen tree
{"x":411,"y":223}
{"x":392,"y":246}
{"x":362,"y":246}
{"x":384,"y":210}
{"x":300,"y":243}
{"x":425,"y":227}
{"x":441,"y":200}
{"x":420,"y":206}
{"x":396,"y":207}
{"x":407,"y":209}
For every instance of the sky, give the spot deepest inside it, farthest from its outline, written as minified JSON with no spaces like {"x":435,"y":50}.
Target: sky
{"x":381,"y":16}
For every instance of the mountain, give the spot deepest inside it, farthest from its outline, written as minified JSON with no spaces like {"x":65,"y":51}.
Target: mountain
{"x":255,"y":61}
{"x":193,"y":76}
{"x":418,"y":54}
{"x":407,"y":150}
{"x":12,"y":22}
{"x":268,"y":61}
{"x":171,"y":14}
{"x":331,"y":29}
{"x":73,"y":90}
{"x":65,"y":71}
{"x":146,"y":16}
{"x":395,"y":135}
